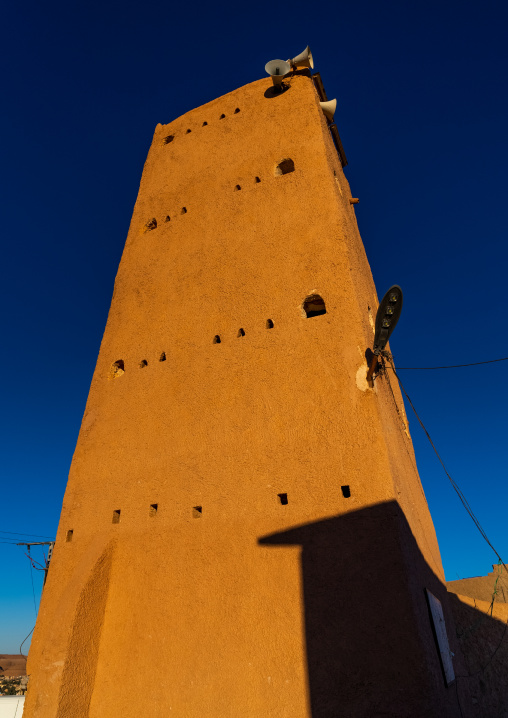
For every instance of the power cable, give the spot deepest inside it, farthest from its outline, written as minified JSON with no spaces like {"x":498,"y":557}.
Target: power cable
{"x":33,"y":589}
{"x":497,"y":649}
{"x":473,"y":627}
{"x":451,"y":366}
{"x":453,"y":483}
{"x":20,"y":653}
{"x":469,"y":511}
{"x":33,"y":562}
{"x":476,"y":673}
{"x":413,"y":464}
{"x":458,"y":699}
{"x":14,"y":533}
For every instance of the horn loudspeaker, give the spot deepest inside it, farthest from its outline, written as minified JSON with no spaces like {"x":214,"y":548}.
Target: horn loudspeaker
{"x":277,"y":69}
{"x":329,"y":109}
{"x":304,"y":59}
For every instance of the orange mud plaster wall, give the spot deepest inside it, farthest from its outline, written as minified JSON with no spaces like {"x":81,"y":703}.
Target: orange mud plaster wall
{"x":236,"y":484}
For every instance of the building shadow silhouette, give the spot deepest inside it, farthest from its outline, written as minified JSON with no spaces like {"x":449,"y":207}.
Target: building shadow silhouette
{"x":484,"y":644}
{"x":370,"y":643}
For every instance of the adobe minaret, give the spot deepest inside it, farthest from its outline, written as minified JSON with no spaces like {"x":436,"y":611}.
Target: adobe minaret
{"x":244,"y":533}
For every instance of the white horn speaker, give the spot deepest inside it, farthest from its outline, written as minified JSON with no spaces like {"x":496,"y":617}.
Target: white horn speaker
{"x":304,"y":59}
{"x":329,"y":109}
{"x":277,"y":69}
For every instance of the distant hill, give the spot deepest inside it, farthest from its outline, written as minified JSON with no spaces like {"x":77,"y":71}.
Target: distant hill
{"x":12,"y":665}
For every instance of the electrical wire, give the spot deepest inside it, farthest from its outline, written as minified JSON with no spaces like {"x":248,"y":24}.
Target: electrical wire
{"x":458,"y":699}
{"x":413,"y":464}
{"x":33,"y":561}
{"x":453,"y":483}
{"x":451,"y":366}
{"x":20,"y":653}
{"x":469,"y":511}
{"x":482,"y":618}
{"x":33,"y":589}
{"x":476,"y":673}
{"x":14,"y":533}
{"x":497,"y":649}
{"x":477,"y":624}
{"x":494,"y":593}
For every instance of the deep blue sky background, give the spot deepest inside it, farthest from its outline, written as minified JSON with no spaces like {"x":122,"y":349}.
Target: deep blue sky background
{"x":423,"y":115}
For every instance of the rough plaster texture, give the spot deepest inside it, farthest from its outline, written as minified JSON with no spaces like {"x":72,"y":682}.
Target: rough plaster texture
{"x":482,"y":587}
{"x":244,"y":607}
{"x":482,"y":634}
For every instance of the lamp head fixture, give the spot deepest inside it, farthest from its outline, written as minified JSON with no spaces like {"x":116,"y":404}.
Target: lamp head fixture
{"x":387,"y":317}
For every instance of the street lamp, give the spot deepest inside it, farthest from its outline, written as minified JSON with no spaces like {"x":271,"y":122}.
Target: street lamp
{"x":386,"y":318}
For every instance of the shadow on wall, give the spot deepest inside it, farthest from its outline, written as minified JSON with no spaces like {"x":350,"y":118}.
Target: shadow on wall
{"x":370,"y":644}
{"x":83,"y":651}
{"x":484,"y":644}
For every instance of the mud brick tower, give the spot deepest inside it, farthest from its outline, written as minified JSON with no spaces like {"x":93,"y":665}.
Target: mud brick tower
{"x":244,"y":533}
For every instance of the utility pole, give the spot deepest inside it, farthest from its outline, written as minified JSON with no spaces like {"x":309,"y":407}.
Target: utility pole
{"x":50,"y":553}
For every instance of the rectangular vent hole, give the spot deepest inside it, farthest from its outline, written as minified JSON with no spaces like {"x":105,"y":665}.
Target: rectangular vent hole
{"x":153,"y":509}
{"x":346,"y":491}
{"x":197,"y":512}
{"x":69,"y":535}
{"x":283,"y":498}
{"x":116,"y":517}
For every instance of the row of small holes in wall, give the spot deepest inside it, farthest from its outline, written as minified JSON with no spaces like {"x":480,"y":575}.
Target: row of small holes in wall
{"x":313,"y":306}
{"x":167,"y":140}
{"x":197,"y":511}
{"x":152,"y":224}
{"x":118,"y":367}
{"x":241,"y":332}
{"x":283,"y":168}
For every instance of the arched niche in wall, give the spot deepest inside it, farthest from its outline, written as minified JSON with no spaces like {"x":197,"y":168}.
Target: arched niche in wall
{"x":313,"y":306}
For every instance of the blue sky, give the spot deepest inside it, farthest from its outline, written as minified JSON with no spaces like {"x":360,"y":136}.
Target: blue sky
{"x":422,"y":112}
